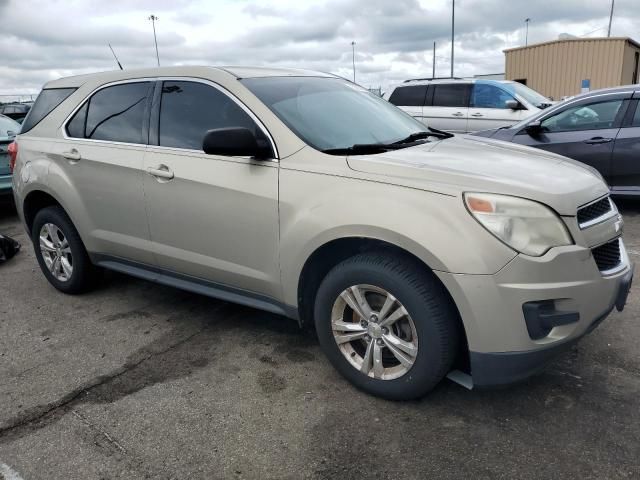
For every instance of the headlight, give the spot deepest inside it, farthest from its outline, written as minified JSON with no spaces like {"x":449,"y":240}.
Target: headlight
{"x":526,"y":226}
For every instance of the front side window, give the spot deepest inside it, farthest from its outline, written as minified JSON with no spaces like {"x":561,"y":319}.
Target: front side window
{"x":592,"y":116}
{"x":113,"y":114}
{"x":412,"y":96}
{"x":48,"y":99}
{"x":189,"y":109}
{"x":452,"y":95}
{"x":489,"y":96}
{"x":331,"y":113}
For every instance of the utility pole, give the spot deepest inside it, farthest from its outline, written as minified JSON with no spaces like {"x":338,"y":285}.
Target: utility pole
{"x":610,"y":18}
{"x":353,"y":59}
{"x":153,"y":19}
{"x":453,"y":25}
{"x":433,"y":71}
{"x":526,"y":34}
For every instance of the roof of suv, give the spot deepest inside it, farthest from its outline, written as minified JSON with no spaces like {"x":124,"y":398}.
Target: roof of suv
{"x":428,"y":81}
{"x":238,"y":72}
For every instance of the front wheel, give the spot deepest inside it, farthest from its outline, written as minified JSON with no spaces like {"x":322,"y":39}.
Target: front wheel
{"x":387,"y":325}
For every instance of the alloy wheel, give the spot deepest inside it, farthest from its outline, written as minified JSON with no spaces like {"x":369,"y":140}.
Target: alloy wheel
{"x":374,"y":332}
{"x":56,"y":252}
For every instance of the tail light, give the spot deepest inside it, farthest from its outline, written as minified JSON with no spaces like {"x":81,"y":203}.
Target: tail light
{"x":13,"y":154}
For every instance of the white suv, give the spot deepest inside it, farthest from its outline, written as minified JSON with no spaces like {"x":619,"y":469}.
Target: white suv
{"x":459,"y":105}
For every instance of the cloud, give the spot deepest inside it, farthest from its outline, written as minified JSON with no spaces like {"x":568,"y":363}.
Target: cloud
{"x":394,"y":40}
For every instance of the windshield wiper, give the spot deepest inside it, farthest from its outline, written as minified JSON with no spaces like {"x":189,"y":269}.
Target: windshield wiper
{"x":414,"y":137}
{"x":360,"y":149}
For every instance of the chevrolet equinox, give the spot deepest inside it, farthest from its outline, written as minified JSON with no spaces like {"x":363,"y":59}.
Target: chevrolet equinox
{"x":414,"y":253}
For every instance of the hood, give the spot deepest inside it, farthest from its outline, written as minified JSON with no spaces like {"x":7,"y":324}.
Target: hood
{"x":476,"y":164}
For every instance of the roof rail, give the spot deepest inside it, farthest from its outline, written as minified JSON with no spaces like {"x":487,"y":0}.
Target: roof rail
{"x":433,"y":78}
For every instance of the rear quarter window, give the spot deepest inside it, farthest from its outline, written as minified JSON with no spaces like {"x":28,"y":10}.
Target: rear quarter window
{"x":412,"y":96}
{"x":46,"y":102}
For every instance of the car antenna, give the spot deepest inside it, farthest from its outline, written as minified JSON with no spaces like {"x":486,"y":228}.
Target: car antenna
{"x":114,"y":56}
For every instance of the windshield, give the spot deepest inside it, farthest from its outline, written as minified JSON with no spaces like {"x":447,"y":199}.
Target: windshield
{"x":8,"y":127}
{"x":534,"y":98}
{"x":332,"y":113}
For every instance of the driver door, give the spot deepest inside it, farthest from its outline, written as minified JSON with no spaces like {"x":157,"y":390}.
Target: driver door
{"x":585,"y":131}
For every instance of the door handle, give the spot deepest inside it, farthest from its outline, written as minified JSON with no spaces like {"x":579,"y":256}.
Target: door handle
{"x":161,"y":171}
{"x":477,"y":115}
{"x":597,"y":140}
{"x":73,"y":155}
{"x":458,"y":114}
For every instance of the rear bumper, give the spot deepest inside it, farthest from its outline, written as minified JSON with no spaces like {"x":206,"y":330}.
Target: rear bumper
{"x":504,"y":368}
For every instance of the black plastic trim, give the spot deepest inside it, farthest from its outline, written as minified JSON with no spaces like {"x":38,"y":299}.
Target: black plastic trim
{"x":541,"y":317}
{"x":195,"y":285}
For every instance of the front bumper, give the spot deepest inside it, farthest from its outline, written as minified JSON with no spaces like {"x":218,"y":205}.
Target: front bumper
{"x":502,"y":348}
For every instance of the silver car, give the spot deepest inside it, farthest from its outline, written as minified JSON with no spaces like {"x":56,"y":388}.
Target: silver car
{"x":415,"y":254}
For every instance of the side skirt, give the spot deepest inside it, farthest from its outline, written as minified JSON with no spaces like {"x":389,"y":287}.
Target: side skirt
{"x":195,"y":285}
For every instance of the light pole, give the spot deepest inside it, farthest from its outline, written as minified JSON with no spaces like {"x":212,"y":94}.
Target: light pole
{"x":433,"y":67}
{"x":610,"y":18}
{"x":353,"y":59}
{"x":453,"y":25}
{"x":526,"y":32}
{"x":153,"y":19}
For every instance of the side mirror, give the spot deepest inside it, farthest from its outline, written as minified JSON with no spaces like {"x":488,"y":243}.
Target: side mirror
{"x":513,"y":104}
{"x":234,"y":142}
{"x":533,"y":128}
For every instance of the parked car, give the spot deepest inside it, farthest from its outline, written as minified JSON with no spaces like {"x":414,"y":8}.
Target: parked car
{"x":467,"y":105}
{"x":303,"y":194}
{"x":599,"y":128}
{"x":16,"y":111}
{"x":8,"y":130}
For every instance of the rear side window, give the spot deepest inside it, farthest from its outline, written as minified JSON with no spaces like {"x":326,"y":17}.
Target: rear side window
{"x":114,"y":114}
{"x":409,"y":96}
{"x":48,"y":99}
{"x":189,"y":109}
{"x":452,"y":95}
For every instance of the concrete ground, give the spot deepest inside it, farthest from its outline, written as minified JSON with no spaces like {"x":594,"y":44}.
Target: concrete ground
{"x":137,"y":380}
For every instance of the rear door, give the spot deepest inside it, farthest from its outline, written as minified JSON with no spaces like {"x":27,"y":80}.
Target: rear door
{"x":101,"y":160}
{"x":410,"y":98}
{"x":625,"y":164}
{"x":488,"y":109}
{"x":584,"y":131}
{"x":447,"y":107}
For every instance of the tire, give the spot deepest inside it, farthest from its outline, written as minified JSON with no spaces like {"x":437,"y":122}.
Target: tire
{"x":83,"y":274}
{"x":430,"y":331}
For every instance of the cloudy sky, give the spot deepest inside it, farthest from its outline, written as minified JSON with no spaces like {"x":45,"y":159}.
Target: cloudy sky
{"x":43,"y":40}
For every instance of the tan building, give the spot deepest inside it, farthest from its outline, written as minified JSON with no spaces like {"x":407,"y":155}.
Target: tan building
{"x":562,"y":67}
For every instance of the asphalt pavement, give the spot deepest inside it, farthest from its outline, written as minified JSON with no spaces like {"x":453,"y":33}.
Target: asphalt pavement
{"x":136,"y":380}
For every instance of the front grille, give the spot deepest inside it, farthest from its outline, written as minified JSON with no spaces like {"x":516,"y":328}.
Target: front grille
{"x":594,"y":210}
{"x":607,"y":256}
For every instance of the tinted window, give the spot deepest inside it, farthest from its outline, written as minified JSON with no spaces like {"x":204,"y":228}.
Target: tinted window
{"x":489,"y":96}
{"x":592,"y":116}
{"x":44,"y":105}
{"x":636,"y":117}
{"x":453,"y":95}
{"x":114,"y":114}
{"x":409,"y":96}
{"x":189,"y":109}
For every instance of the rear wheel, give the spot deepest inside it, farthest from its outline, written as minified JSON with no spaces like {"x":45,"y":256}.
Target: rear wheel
{"x":387,"y":325}
{"x":61,"y":253}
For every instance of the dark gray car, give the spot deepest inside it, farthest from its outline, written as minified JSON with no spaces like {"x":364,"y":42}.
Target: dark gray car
{"x":599,"y":128}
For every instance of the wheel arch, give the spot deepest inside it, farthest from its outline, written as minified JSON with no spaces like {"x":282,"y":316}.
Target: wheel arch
{"x":35,"y":201}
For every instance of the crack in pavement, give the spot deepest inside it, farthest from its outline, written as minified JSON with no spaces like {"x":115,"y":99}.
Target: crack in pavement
{"x":38,"y":413}
{"x":116,"y":385}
